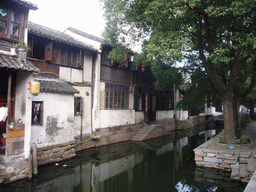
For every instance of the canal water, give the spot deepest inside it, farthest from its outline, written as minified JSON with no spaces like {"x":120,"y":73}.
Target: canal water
{"x":157,"y":165}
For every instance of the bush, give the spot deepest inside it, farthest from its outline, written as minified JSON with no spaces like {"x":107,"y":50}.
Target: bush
{"x":241,"y":137}
{"x":244,"y":122}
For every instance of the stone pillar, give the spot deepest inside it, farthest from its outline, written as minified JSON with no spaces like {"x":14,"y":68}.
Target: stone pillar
{"x":96,"y":94}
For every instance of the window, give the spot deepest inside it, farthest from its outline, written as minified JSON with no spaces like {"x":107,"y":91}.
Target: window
{"x":139,"y":102}
{"x":9,"y":23}
{"x":117,"y":97}
{"x":15,"y":26}
{"x":37,"y":113}
{"x":3,"y":20}
{"x":78,"y":106}
{"x":165,"y":100}
{"x":74,"y":58}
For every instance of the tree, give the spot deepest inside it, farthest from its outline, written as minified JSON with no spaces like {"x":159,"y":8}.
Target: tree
{"x":221,"y":33}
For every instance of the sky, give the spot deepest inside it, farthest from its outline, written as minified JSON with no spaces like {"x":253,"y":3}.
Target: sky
{"x":84,"y":15}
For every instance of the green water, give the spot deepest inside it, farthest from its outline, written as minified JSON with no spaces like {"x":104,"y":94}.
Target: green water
{"x":162,"y":164}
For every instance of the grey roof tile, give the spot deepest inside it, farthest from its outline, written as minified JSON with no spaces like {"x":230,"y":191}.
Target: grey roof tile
{"x":26,"y":4}
{"x":55,"y":35}
{"x":56,"y":86}
{"x":89,"y":36}
{"x":11,"y":62}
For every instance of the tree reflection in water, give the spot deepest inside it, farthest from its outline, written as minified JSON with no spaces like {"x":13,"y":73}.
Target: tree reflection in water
{"x":162,"y":164}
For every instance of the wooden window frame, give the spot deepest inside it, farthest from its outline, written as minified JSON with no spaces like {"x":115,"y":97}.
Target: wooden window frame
{"x":10,"y":23}
{"x":37,"y":113}
{"x":78,"y":106}
{"x":165,"y":100}
{"x":116,"y":97}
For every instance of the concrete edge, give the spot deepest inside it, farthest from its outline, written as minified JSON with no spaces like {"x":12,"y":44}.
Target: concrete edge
{"x":251,"y":186}
{"x":211,"y":141}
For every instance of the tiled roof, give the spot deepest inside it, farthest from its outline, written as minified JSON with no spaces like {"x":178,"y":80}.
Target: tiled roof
{"x":92,"y":37}
{"x":56,"y":86}
{"x":55,"y":35}
{"x":26,"y":4}
{"x":11,"y":62}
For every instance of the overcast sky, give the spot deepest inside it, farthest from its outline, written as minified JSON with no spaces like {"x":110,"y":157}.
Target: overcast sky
{"x":84,"y":15}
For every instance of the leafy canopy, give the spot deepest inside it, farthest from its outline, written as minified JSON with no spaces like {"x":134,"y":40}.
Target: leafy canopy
{"x":220,"y":32}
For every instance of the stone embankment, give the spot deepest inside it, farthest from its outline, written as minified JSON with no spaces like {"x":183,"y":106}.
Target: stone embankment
{"x":240,"y":161}
{"x":15,"y":166}
{"x":110,"y":135}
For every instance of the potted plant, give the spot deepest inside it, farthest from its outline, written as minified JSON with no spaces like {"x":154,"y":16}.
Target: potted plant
{"x":22,"y":46}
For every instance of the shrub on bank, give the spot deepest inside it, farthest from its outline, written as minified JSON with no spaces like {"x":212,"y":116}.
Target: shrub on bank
{"x":244,"y":122}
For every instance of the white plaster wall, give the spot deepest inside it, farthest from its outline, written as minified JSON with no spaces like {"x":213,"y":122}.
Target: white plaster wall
{"x":111,"y":118}
{"x":139,"y":117}
{"x":70,"y":74}
{"x":211,"y":110}
{"x":57,"y":106}
{"x":183,"y":115}
{"x":87,"y":70}
{"x":76,"y":75}
{"x":176,"y":100}
{"x":160,"y":115}
{"x":96,"y":96}
{"x":85,"y":40}
{"x":86,"y":116}
{"x":65,"y":73}
{"x":23,"y":105}
{"x":131,"y":99}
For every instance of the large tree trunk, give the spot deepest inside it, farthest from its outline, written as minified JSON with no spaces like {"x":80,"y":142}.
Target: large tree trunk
{"x":229,"y":123}
{"x":236,"y":104}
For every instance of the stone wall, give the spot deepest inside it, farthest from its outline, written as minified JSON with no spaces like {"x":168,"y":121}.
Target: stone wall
{"x":55,"y":153}
{"x":15,"y":140}
{"x":240,"y":163}
{"x":191,"y":122}
{"x":107,"y":136}
{"x":13,"y":168}
{"x":17,"y":167}
{"x":172,"y":124}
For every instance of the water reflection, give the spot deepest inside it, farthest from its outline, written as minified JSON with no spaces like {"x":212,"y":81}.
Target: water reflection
{"x":162,"y":164}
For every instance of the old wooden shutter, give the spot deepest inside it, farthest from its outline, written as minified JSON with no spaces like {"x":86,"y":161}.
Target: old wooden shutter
{"x":48,"y":51}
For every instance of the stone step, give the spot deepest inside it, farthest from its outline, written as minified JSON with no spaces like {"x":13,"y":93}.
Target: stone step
{"x":142,"y":134}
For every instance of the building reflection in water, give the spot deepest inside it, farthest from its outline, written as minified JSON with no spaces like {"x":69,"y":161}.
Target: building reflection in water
{"x":155,"y":165}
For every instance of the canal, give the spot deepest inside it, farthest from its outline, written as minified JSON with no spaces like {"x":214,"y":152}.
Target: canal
{"x":162,"y":164}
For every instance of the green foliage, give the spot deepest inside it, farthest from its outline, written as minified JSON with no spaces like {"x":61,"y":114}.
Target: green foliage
{"x":167,"y":76}
{"x":218,"y":35}
{"x":221,"y":139}
{"x":178,"y":28}
{"x":117,"y":54}
{"x":244,"y":123}
{"x":22,"y":45}
{"x":243,"y":139}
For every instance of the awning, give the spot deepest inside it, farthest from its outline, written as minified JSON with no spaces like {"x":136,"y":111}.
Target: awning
{"x":56,"y":86}
{"x":12,"y":62}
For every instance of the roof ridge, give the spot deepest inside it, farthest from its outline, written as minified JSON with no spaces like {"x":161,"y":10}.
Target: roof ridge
{"x":93,"y":37}
{"x":56,"y":35}
{"x":27,"y":4}
{"x":48,"y":28}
